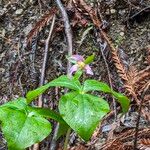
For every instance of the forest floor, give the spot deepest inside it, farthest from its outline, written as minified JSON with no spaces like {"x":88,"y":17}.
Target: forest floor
{"x":126,"y":24}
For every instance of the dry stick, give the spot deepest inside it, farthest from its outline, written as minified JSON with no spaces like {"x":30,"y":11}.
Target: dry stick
{"x":138,"y":119}
{"x":36,"y":146}
{"x":109,"y":75}
{"x":40,"y":6}
{"x":67,"y":30}
{"x":69,"y":44}
{"x":45,"y":58}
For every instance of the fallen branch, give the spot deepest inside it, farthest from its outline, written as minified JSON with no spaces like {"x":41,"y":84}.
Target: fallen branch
{"x":69,"y":44}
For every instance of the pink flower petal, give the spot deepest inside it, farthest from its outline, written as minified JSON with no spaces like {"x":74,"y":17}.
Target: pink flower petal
{"x":77,"y":57}
{"x":88,"y":70}
{"x":73,"y":69}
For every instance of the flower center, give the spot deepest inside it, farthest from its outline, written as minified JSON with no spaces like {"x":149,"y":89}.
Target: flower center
{"x":81,"y":64}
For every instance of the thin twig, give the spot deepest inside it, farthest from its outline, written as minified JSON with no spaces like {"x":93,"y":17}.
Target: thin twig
{"x":69,"y":44}
{"x":36,"y":146}
{"x":40,"y":6}
{"x":53,"y":141}
{"x":139,"y":115}
{"x":45,"y":58}
{"x":102,"y":48}
{"x":67,"y":30}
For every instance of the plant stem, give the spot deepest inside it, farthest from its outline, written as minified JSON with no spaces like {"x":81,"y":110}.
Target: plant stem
{"x":67,"y":139}
{"x":68,"y":32}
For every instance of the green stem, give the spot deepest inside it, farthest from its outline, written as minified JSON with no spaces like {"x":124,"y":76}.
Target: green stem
{"x":67,"y":139}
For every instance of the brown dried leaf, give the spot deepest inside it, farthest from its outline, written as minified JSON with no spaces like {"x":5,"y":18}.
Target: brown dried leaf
{"x":78,"y":147}
{"x":144,"y":144}
{"x":125,"y":137}
{"x":41,"y":23}
{"x":115,"y":145}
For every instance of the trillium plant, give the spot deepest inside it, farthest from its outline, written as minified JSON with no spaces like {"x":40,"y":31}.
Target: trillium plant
{"x":23,"y":124}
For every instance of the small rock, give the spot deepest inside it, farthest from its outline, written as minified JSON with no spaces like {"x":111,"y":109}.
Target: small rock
{"x":2,"y":70}
{"x":10,"y":27}
{"x":19,"y":11}
{"x":31,"y":1}
{"x":107,"y":12}
{"x":121,"y":33}
{"x":113,"y":11}
{"x":2,"y":32}
{"x":27,"y":29}
{"x":122,"y":12}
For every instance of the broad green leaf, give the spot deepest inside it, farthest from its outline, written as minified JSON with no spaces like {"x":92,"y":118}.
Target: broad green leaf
{"x":21,"y":127}
{"x":47,"y":113}
{"x":89,"y":59}
{"x":65,"y":81}
{"x":123,"y":100}
{"x":62,"y":81}
{"x":93,"y":85}
{"x":82,"y":112}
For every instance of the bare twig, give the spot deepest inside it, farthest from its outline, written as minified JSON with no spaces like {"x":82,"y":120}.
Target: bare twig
{"x":67,"y":29}
{"x":139,"y":115}
{"x":102,"y":48}
{"x":45,"y":58}
{"x":36,"y":146}
{"x":40,"y":6}
{"x":53,"y":141}
{"x":69,"y":44}
{"x":144,"y":9}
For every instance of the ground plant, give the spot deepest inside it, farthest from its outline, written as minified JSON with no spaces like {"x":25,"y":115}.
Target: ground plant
{"x":79,"y":109}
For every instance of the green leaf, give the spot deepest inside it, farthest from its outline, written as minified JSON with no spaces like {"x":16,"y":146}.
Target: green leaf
{"x":47,"y":113}
{"x":21,"y":127}
{"x":62,"y":81}
{"x":82,"y":112}
{"x":123,"y":100}
{"x":89,"y":59}
{"x":65,"y":81}
{"x":62,"y":130}
{"x":18,"y":104}
{"x":93,"y":85}
{"x":78,"y":74}
{"x":31,"y":95}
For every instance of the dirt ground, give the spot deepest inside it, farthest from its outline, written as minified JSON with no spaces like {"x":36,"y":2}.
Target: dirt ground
{"x":127,"y":25}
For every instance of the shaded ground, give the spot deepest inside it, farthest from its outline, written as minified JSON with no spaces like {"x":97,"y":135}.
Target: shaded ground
{"x":20,"y":65}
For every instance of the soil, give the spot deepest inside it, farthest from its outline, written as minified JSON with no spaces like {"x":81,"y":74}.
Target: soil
{"x":20,"y":64}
